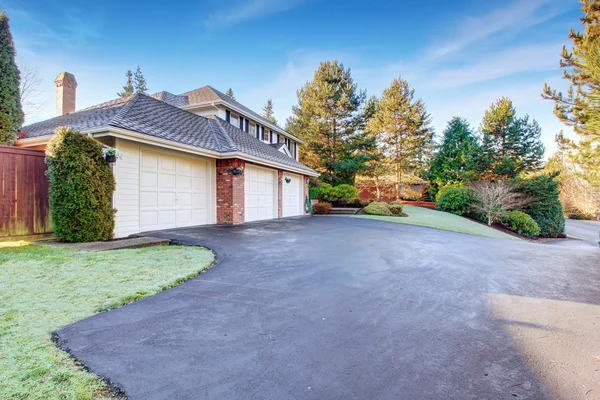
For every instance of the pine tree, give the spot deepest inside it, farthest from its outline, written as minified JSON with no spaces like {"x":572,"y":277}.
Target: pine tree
{"x":268,"y":112}
{"x":456,"y":157}
{"x":509,"y":145}
{"x":404,"y":129}
{"x":139,"y":81}
{"x":580,"y":107}
{"x":329,"y":119}
{"x":11,"y":112}
{"x":229,"y":93}
{"x":128,"y":88}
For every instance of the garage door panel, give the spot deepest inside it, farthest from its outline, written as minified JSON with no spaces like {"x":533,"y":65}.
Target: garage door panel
{"x":292,"y":201}
{"x":174,"y":191}
{"x":259,"y":188}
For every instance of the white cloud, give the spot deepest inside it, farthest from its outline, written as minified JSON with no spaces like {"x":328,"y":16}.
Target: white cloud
{"x":230,"y":14}
{"x":517,"y":16}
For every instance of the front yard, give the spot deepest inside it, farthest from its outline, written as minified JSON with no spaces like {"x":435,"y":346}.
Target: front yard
{"x":441,"y":220}
{"x":45,"y":288}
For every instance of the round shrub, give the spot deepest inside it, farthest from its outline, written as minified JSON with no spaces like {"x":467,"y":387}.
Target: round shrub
{"x":395,"y":202}
{"x":396,"y":209}
{"x":443,"y":189}
{"x":81,"y":187}
{"x":455,"y":200}
{"x":521,"y":223}
{"x":346,"y":191}
{"x":546,"y":210}
{"x":327,"y":193}
{"x":322,"y":208}
{"x":378,"y":208}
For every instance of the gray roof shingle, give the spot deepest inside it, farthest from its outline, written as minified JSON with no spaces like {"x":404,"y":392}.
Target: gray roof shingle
{"x":147,"y":115}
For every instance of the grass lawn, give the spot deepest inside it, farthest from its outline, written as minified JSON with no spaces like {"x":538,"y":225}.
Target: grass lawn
{"x":442,"y":220}
{"x":44,"y":288}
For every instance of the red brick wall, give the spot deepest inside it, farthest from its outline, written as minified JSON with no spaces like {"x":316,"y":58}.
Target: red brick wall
{"x":230,"y":193}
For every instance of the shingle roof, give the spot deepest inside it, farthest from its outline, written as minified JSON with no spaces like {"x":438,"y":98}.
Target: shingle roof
{"x":147,"y":115}
{"x":208,"y":93}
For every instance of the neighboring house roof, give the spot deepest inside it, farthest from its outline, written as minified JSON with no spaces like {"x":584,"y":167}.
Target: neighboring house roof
{"x":147,"y":115}
{"x":208,"y":94}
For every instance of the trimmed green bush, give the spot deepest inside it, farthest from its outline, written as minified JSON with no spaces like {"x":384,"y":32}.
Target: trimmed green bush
{"x":81,"y":187}
{"x":395,"y":202}
{"x":313,"y":193}
{"x":455,"y":200}
{"x":322,"y":208}
{"x":546,"y":210}
{"x":441,"y":190}
{"x":378,"y":208}
{"x":346,"y":191}
{"x":395,"y":209}
{"x":327,"y":193}
{"x":521,"y":223}
{"x":355,"y":202}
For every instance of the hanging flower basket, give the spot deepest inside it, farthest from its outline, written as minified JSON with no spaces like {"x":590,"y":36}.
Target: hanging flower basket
{"x":235,"y":171}
{"x":110,"y":155}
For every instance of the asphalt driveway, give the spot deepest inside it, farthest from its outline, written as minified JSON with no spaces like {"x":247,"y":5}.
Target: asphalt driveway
{"x":347,"y":308}
{"x":588,"y":231}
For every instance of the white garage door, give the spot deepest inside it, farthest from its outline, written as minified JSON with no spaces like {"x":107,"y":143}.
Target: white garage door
{"x":173,"y":191}
{"x":292,"y":196}
{"x":260,"y":194}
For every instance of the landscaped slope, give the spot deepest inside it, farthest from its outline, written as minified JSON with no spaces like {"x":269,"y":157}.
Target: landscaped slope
{"x":45,"y":288}
{"x":442,"y":220}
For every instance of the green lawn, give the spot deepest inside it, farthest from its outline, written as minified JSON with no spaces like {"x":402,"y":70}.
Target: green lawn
{"x":442,"y":220}
{"x":44,"y":288}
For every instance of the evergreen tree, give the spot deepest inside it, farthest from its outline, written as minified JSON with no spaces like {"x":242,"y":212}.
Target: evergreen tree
{"x":229,"y":93}
{"x":580,"y":107}
{"x":456,"y":157}
{"x":11,"y":112}
{"x":509,"y":145}
{"x":268,"y":112}
{"x":139,"y":81}
{"x":329,"y":119}
{"x":404,"y":129}
{"x":128,"y":88}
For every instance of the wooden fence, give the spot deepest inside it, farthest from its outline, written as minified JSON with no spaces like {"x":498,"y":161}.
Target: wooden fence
{"x":24,"y":203}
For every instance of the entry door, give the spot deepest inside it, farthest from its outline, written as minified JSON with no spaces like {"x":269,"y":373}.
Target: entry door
{"x":259,"y":193}
{"x":173,"y":191}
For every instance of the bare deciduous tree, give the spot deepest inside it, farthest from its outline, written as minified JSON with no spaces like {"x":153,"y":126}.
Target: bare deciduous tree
{"x":496,"y":198}
{"x":30,"y":90}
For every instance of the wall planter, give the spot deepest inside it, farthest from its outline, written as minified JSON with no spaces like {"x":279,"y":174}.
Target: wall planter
{"x":110,"y":155}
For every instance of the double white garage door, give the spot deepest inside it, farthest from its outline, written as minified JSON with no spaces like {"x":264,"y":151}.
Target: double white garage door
{"x":260,"y":196}
{"x":174,"y":191}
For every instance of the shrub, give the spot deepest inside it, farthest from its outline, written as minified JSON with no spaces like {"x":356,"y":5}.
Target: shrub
{"x":546,"y":210}
{"x":396,"y":209}
{"x":521,"y":223}
{"x":346,"y":191}
{"x":378,"y":208}
{"x":494,"y":199}
{"x":81,"y":187}
{"x":321,"y":208}
{"x":455,"y":200}
{"x":395,"y":202}
{"x":441,"y":190}
{"x":327,"y":193}
{"x":355,"y":202}
{"x":313,"y":193}
{"x":412,"y":195}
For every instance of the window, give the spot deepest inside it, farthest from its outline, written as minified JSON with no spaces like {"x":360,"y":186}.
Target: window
{"x":246,"y":125}
{"x":262,"y":133}
{"x":257,"y":132}
{"x":234,"y":121}
{"x":227,"y":115}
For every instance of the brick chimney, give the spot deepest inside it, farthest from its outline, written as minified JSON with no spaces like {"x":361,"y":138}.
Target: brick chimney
{"x":66,"y":86}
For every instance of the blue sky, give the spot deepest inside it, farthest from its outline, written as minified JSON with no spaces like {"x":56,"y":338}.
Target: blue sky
{"x":459,"y":55}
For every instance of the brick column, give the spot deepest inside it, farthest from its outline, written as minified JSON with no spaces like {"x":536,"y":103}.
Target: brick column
{"x":279,"y":193}
{"x":230,"y":192}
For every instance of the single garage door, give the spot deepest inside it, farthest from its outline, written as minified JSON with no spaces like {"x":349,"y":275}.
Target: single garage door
{"x":174,"y":191}
{"x":259,"y":193}
{"x":292,"y":196}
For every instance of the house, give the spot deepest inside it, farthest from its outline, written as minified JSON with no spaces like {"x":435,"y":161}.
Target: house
{"x":185,"y":160}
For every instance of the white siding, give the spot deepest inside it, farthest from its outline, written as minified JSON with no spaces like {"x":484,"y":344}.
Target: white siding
{"x":126,"y":198}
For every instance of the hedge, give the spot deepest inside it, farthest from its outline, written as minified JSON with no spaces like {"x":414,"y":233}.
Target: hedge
{"x":81,"y":188}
